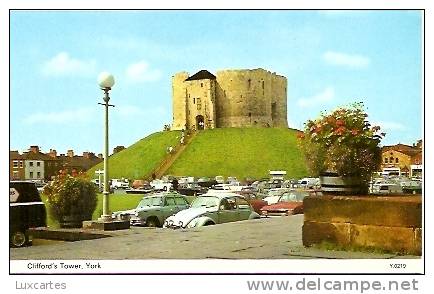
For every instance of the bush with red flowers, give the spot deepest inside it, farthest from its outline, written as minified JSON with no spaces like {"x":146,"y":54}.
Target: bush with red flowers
{"x":343,"y":142}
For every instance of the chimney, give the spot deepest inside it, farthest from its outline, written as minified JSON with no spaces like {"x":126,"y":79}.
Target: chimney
{"x":70,"y":153}
{"x":86,"y":154}
{"x":100,"y":156}
{"x":53,"y":153}
{"x":34,"y":149}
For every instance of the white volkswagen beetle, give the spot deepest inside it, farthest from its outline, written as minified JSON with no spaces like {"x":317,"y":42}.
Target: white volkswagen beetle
{"x":214,"y":207}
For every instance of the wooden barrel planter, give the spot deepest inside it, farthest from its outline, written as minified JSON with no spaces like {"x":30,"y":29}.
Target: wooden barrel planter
{"x":334,"y":184}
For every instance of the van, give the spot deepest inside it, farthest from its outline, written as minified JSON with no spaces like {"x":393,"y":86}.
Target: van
{"x":26,"y":210}
{"x":308,"y":183}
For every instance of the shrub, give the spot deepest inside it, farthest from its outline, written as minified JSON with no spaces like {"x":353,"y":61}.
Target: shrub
{"x":71,"y":196}
{"x":342,"y":141}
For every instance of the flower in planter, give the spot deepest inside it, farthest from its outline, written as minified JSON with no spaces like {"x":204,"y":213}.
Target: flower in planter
{"x":71,"y":196}
{"x":343,"y":142}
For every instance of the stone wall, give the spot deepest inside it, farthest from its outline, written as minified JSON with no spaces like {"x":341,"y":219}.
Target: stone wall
{"x":179,"y":100}
{"x":200,"y":102}
{"x":385,"y":223}
{"x":237,"y":98}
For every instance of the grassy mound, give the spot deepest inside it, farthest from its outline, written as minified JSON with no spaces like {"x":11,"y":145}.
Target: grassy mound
{"x":138,"y":160}
{"x":241,"y":152}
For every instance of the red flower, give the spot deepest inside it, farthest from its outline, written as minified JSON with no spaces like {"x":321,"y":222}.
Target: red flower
{"x":355,"y":132}
{"x":340,"y":122}
{"x":300,"y":135}
{"x":340,"y":131}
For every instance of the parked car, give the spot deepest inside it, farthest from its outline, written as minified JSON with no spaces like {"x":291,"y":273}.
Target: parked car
{"x":145,"y":188}
{"x":206,"y":182}
{"x":191,"y":189}
{"x":153,"y":210}
{"x":273,"y":195}
{"x":161,"y":185}
{"x":289,"y":203}
{"x":386,"y":187}
{"x":120,"y":184}
{"x":26,"y":210}
{"x":215,"y":207}
{"x":220,"y":179}
{"x":254,"y":199}
{"x":308,"y":183}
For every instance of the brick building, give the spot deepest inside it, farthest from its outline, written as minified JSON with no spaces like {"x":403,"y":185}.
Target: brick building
{"x":35,"y":165}
{"x":402,"y":156}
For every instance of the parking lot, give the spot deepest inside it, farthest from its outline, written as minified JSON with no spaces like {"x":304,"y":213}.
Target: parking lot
{"x":265,"y":238}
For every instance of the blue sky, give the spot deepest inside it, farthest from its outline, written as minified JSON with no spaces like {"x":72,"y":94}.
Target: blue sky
{"x":330,"y":58}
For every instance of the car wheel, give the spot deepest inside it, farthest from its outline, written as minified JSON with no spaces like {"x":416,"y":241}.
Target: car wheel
{"x":18,"y":239}
{"x":152,"y":222}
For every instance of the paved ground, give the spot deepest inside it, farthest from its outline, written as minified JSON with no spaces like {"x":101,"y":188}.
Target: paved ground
{"x":271,"y":238}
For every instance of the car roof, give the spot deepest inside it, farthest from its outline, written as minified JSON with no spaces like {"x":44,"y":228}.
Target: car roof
{"x":161,"y":194}
{"x":22,"y":181}
{"x":220,"y":194}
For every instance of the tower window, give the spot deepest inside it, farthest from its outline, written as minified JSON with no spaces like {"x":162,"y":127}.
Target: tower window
{"x":396,"y":160}
{"x":194,"y":100}
{"x":263,"y":85}
{"x":201,"y":85}
{"x":249,"y":82}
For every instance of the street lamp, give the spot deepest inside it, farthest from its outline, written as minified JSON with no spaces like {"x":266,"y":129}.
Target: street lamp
{"x":106,"y":82}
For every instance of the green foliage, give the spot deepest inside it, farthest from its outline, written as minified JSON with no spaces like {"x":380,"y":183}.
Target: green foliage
{"x":118,"y":202}
{"x":138,"y":160}
{"x":342,"y":141}
{"x":71,"y":195}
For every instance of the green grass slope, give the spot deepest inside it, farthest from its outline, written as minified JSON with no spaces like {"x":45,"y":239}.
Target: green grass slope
{"x":241,"y":152}
{"x":138,"y":160}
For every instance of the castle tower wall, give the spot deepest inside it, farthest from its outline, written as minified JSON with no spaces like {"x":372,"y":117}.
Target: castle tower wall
{"x":279,"y":101}
{"x":200,"y":103}
{"x":179,"y":101}
{"x":232,"y":98}
{"x":246,"y":97}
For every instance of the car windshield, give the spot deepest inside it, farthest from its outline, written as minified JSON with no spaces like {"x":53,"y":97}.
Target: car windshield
{"x":151,"y":201}
{"x":205,"y":202}
{"x":292,"y":196}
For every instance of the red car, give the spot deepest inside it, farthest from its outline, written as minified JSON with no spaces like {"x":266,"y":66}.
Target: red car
{"x":254,"y":199}
{"x":289,"y":203}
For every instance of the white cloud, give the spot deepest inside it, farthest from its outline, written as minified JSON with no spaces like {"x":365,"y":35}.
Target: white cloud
{"x":141,"y":72}
{"x":348,"y":60}
{"x":390,"y":125}
{"x":63,"y":64}
{"x":61,"y":117}
{"x":327,"y":95}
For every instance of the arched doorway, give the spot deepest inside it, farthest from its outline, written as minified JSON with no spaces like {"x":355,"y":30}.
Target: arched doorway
{"x":200,"y":125}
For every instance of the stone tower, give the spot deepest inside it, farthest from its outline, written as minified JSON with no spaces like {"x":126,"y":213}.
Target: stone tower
{"x":232,"y":98}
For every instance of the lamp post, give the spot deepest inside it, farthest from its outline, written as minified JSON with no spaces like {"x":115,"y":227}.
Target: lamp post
{"x":106,"y":82}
